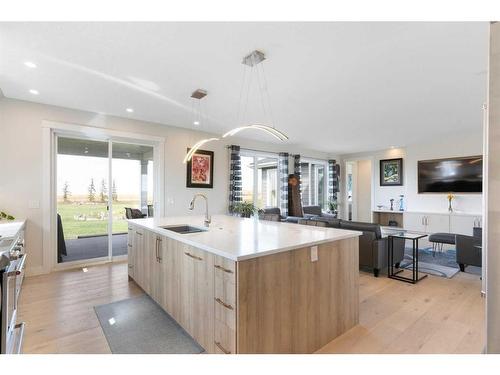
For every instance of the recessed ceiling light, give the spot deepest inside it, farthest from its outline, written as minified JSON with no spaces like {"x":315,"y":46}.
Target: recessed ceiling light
{"x":30,"y":64}
{"x":34,"y":92}
{"x":196,"y":123}
{"x":130,"y":110}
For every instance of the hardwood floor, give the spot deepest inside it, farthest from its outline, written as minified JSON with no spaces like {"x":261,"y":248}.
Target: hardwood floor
{"x":435,"y":316}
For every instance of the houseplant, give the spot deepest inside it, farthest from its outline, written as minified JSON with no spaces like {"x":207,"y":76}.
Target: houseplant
{"x":244,"y":209}
{"x":6,"y":216}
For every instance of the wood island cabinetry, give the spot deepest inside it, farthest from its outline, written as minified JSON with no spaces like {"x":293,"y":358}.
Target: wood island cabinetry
{"x":279,"y":303}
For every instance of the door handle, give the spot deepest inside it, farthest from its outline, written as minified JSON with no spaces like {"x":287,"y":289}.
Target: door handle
{"x":226,"y":305}
{"x":156,"y":248}
{"x":192,"y":256}
{"x":158,"y":239}
{"x":222,"y":268}
{"x":222,"y":348}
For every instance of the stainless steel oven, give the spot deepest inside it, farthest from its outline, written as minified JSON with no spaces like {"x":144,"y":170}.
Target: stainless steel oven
{"x":11,"y":278}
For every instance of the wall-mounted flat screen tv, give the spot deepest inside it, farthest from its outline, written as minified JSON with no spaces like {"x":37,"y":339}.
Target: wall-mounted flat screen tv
{"x":455,"y":175}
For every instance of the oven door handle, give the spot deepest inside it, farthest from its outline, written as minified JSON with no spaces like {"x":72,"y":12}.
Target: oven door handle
{"x":20,"y":336}
{"x":19,"y":269}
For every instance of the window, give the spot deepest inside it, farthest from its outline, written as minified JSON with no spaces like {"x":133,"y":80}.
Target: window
{"x":259,"y":174}
{"x":314,"y":182}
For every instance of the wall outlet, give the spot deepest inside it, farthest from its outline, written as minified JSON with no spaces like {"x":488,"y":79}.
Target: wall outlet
{"x":314,"y":253}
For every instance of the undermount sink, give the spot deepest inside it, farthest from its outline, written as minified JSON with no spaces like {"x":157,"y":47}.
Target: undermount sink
{"x":183,"y":229}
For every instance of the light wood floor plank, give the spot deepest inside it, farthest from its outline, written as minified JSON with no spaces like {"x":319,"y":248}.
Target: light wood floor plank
{"x":437,"y":315}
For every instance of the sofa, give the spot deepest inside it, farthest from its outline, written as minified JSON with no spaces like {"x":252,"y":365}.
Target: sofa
{"x":373,"y":248}
{"x":313,"y":213}
{"x":469,"y":251}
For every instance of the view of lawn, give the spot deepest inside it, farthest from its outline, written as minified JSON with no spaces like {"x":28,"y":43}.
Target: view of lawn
{"x":85,"y":218}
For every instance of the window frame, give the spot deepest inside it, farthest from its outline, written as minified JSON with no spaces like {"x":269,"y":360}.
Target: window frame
{"x":262,"y":154}
{"x":324,"y":163}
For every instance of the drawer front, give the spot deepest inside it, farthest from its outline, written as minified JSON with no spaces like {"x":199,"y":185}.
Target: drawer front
{"x":225,"y":269}
{"x":225,"y":290}
{"x":225,"y":313}
{"x":225,"y":339}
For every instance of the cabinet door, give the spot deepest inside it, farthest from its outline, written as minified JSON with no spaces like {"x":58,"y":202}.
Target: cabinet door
{"x":159,"y":260}
{"x":131,"y":251}
{"x":141,"y":248}
{"x":197,"y":296}
{"x":414,"y":221}
{"x":171,"y":268}
{"x":462,"y":224}
{"x":437,"y":223}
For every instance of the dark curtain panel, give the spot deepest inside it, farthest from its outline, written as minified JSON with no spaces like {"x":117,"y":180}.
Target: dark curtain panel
{"x":234,"y":176}
{"x":283,"y":179}
{"x":333,"y":180}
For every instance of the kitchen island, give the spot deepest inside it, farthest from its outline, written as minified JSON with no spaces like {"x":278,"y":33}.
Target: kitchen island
{"x":249,"y":286}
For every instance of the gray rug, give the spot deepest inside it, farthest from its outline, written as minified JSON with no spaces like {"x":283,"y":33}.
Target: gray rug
{"x":443,"y":264}
{"x":139,"y":326}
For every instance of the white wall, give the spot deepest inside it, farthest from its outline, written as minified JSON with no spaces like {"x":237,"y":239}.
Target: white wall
{"x":363,"y":190}
{"x":21,"y":162}
{"x":460,"y":144}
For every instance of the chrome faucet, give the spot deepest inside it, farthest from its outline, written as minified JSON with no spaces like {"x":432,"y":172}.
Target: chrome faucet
{"x":208,"y":220}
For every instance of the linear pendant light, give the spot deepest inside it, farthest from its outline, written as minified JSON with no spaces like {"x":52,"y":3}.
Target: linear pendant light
{"x":268,"y":129}
{"x":195,"y":148}
{"x":252,"y":60}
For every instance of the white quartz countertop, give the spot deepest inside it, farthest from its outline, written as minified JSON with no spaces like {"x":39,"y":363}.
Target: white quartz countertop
{"x":240,"y":239}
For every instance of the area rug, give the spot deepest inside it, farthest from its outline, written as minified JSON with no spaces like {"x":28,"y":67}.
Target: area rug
{"x":441,"y":264}
{"x":139,"y":326}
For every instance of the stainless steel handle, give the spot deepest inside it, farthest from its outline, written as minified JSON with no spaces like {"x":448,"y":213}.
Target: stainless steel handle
{"x":20,"y":327}
{"x":222,"y":348}
{"x":156,"y":248}
{"x":192,"y":256}
{"x":222,"y":268}
{"x":139,"y":233}
{"x":226,"y":305}
{"x":19,"y":269}
{"x":158,"y":254}
{"x":129,"y":245}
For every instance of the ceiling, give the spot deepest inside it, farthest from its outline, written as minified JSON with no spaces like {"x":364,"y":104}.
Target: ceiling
{"x":334,"y":87}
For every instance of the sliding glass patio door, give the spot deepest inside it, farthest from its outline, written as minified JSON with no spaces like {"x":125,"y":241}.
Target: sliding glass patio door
{"x":100,"y":183}
{"x":82,"y":199}
{"x":131,"y":191}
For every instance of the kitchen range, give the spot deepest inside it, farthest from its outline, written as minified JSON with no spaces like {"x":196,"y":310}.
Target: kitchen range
{"x":12,"y":264}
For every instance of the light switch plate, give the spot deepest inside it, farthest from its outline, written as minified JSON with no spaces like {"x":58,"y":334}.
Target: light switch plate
{"x":314,"y":253}
{"x":34,"y":204}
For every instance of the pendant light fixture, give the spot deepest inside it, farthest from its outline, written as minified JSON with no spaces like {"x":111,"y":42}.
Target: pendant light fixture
{"x":196,"y":97}
{"x":254,"y":60}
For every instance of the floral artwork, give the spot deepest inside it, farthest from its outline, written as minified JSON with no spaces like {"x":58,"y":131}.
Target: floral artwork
{"x":200,"y":170}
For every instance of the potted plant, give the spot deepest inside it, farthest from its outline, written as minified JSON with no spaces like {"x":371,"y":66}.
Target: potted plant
{"x":244,"y":209}
{"x":6,"y":216}
{"x":332,"y":207}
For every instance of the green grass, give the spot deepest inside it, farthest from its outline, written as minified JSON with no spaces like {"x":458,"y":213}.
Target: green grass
{"x":91,"y":218}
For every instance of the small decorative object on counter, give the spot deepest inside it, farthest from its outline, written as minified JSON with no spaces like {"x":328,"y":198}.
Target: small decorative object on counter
{"x":392,"y":204}
{"x":450,"y":199}
{"x":6,"y":216}
{"x":401,"y":202}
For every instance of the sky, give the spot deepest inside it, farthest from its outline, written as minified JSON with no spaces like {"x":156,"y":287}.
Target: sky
{"x":78,"y":170}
